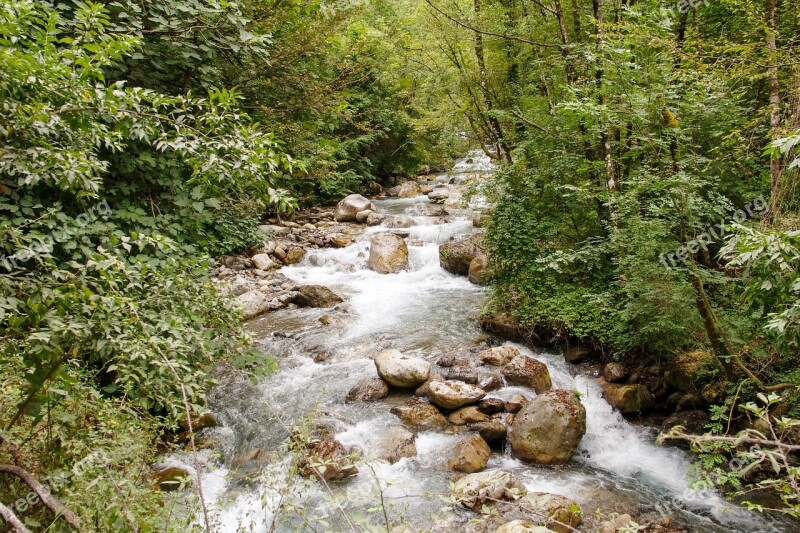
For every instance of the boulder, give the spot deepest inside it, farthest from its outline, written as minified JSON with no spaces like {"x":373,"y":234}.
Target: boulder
{"x":549,"y":428}
{"x":528,"y":372}
{"x":470,"y":454}
{"x":455,"y":256}
{"x":474,"y":490}
{"x":362,"y":216}
{"x":615,"y":372}
{"x":628,"y":398}
{"x":577,"y":354}
{"x":317,"y":296}
{"x":264,"y":262}
{"x":422,"y":390}
{"x":685,"y":372}
{"x":490,"y":382}
{"x":294,"y":255}
{"x":388,"y":253}
{"x":349,"y":207}
{"x":498,"y":356}
{"x":466,"y":415}
{"x":252,"y":303}
{"x":439,"y":195}
{"x":368,"y":390}
{"x":409,"y":189}
{"x":339,"y":240}
{"x":454,"y":394}
{"x":419,"y":414}
{"x":400,"y":370}
{"x":477,"y":269}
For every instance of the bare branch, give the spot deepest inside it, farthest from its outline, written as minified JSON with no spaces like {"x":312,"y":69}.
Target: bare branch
{"x":44,"y":493}
{"x":12,"y":519}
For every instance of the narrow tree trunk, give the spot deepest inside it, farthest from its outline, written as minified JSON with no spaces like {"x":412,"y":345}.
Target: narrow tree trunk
{"x":776,"y":166}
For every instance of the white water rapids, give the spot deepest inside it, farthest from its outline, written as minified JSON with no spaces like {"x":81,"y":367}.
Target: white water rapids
{"x":428,"y":312}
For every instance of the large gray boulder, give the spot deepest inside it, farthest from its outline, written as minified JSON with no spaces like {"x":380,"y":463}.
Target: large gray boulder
{"x":400,"y":370}
{"x":349,"y":207}
{"x":549,"y":428}
{"x":388,"y":253}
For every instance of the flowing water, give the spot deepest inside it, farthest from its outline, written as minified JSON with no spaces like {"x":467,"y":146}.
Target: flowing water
{"x":428,"y":312}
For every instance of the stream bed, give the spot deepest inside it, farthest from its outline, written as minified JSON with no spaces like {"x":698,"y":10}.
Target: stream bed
{"x":427,"y":312}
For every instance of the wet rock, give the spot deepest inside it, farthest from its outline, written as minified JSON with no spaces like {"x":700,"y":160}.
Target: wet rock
{"x":628,"y":398}
{"x":694,"y":422}
{"x":474,"y":490}
{"x":171,"y":478}
{"x":490,"y":406}
{"x":477,"y":270}
{"x":374,"y":219}
{"x":252,"y":303}
{"x":454,"y":394}
{"x":264,"y":262}
{"x":368,"y":390}
{"x":446,"y":361}
{"x":552,"y":511}
{"x":396,"y":443}
{"x":201,"y":421}
{"x":336,"y":463}
{"x":419,"y":414}
{"x":615,"y":372}
{"x":349,"y":207}
{"x":470,"y":454}
{"x":339,"y":240}
{"x":490,"y":383}
{"x":388,"y":253}
{"x":316,"y":296}
{"x":528,"y":372}
{"x":516,"y":403}
{"x":409,"y":189}
{"x":399,"y":221}
{"x":498,"y":356}
{"x":321,"y":357}
{"x":400,"y":370}
{"x":455,"y":256}
{"x":577,"y":354}
{"x":686,"y":371}
{"x":422,"y":390}
{"x":362,"y":216}
{"x":439,"y":195}
{"x":294,"y":255}
{"x":549,"y":428}
{"x":491,"y":430}
{"x":463,"y":373}
{"x":466,"y":415}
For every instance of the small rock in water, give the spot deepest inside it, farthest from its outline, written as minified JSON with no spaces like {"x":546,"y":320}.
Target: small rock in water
{"x":491,"y":430}
{"x":419,"y":414}
{"x":490,"y":383}
{"x":339,"y":240}
{"x":467,"y":415}
{"x":316,"y":296}
{"x":490,"y":406}
{"x":321,"y":357}
{"x":470,"y":454}
{"x":516,"y":403}
{"x":368,"y":390}
{"x":363,"y":216}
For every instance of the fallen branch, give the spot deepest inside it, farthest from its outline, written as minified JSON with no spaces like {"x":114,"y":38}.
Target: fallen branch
{"x":12,"y":519}
{"x":44,"y":493}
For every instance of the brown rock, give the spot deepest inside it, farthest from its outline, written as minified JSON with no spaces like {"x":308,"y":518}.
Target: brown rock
{"x":419,"y":414}
{"x":498,"y":356}
{"x":467,"y":415}
{"x":470,"y":454}
{"x":368,"y":390}
{"x":628,"y":398}
{"x":528,"y":372}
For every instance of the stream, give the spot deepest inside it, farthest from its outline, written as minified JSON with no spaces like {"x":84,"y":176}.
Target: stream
{"x":427,"y":312}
